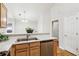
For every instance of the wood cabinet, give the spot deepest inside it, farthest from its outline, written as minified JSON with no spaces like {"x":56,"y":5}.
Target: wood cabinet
{"x":28,"y":49}
{"x":12,"y":50}
{"x":55,"y":45}
{"x":47,"y":48}
{"x":22,"y":52}
{"x":43,"y":48}
{"x":35,"y":49}
{"x":3,"y":15}
{"x":19,"y":50}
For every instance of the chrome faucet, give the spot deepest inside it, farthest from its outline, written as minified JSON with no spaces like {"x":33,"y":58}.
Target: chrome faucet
{"x":28,"y":35}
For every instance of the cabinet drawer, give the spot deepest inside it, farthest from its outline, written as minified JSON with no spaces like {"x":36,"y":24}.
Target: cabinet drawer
{"x":35,"y":52}
{"x":33,"y":48}
{"x":23,"y":52}
{"x":22,"y":46}
{"x":34,"y":44}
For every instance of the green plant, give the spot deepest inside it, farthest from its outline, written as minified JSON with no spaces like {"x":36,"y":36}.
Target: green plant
{"x":3,"y":37}
{"x":29,"y":30}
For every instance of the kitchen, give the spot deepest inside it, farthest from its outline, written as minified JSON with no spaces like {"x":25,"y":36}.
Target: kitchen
{"x":39,"y":29}
{"x":19,"y":39}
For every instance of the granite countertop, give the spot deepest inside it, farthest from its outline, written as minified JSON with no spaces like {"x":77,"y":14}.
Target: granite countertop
{"x":35,"y":40}
{"x":20,"y":34}
{"x":6,"y":45}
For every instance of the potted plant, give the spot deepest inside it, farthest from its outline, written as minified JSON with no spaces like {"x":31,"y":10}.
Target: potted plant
{"x":29,"y":30}
{"x":3,"y":37}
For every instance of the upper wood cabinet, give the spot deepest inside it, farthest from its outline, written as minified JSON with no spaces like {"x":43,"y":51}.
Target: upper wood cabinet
{"x":3,"y":16}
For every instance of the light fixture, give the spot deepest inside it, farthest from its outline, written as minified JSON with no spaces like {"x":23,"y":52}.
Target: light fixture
{"x":25,"y":21}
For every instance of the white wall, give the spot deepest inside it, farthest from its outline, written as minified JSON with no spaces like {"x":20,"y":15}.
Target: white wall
{"x":60,"y":10}
{"x":44,"y":21}
{"x":20,"y":26}
{"x":65,"y":13}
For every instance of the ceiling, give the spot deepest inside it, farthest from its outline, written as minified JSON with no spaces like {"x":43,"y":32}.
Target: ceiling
{"x":29,"y":11}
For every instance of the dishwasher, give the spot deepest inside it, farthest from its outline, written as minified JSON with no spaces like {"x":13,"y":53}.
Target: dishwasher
{"x":47,"y":48}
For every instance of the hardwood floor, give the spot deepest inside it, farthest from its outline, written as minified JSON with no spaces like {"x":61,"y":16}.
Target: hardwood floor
{"x":61,"y":52}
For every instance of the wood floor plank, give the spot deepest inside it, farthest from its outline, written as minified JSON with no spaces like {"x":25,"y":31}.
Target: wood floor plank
{"x":61,"y":52}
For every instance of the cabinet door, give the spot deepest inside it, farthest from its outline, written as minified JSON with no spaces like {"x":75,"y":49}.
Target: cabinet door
{"x":35,"y":51}
{"x":43,"y":48}
{"x":3,"y":19}
{"x":22,"y":52}
{"x":50,"y":48}
{"x":47,"y":48}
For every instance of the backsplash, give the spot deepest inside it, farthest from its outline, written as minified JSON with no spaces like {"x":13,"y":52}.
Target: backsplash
{"x":2,"y":30}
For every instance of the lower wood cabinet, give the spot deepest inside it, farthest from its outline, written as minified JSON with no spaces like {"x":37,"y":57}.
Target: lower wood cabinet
{"x":28,"y":49}
{"x":55,"y":47}
{"x":12,"y":50}
{"x":43,"y":48}
{"x":35,"y":49}
{"x":22,"y":52}
{"x":47,"y":48}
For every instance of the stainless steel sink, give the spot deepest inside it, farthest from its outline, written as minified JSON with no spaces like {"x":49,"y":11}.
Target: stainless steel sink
{"x":25,"y":39}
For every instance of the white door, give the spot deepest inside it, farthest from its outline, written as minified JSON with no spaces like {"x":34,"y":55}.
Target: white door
{"x":69,"y":36}
{"x":73,"y":34}
{"x":77,"y":32}
{"x":66,"y":33}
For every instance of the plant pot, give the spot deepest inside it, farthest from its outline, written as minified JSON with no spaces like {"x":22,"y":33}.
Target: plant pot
{"x":29,"y":31}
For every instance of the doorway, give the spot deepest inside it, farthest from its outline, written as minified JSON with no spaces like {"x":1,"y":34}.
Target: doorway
{"x":55,"y":28}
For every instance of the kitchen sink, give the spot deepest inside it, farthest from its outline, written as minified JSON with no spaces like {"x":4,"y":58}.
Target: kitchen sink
{"x":25,"y":39}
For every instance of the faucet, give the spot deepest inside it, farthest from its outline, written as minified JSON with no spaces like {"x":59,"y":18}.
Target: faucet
{"x":27,"y":36}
